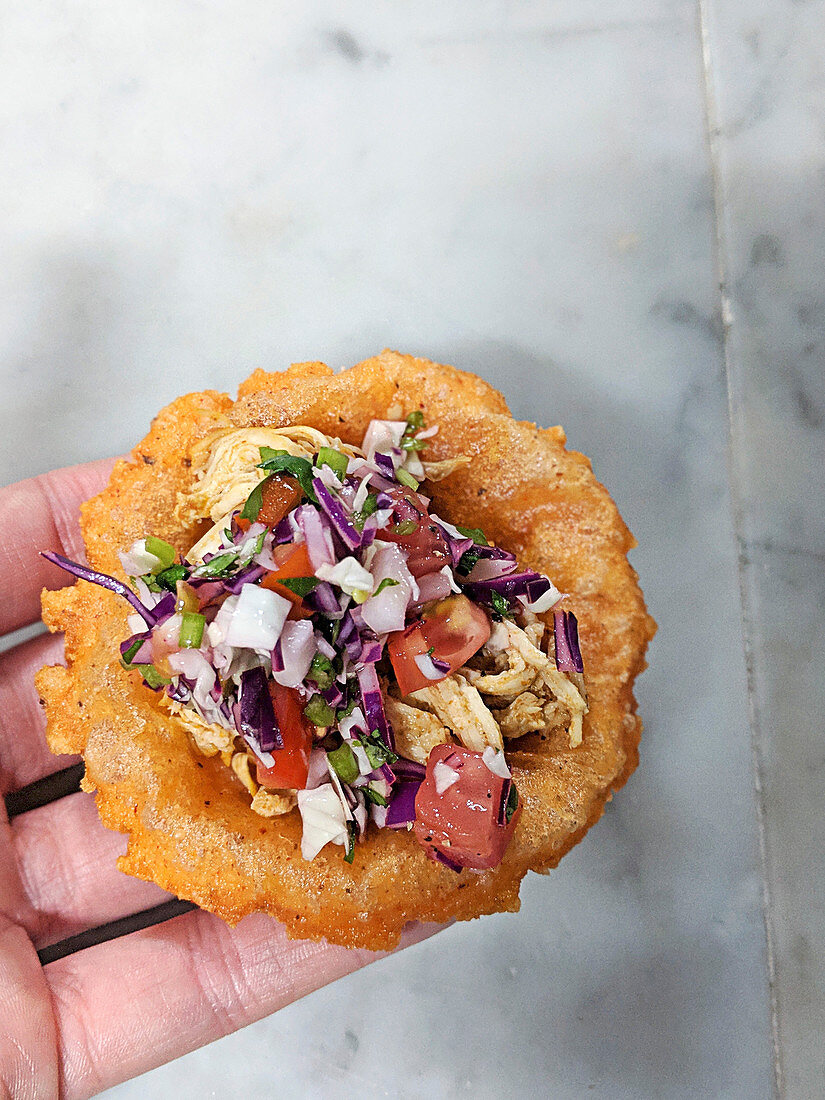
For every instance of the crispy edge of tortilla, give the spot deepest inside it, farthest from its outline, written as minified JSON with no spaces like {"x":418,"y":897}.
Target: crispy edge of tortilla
{"x":188,"y":820}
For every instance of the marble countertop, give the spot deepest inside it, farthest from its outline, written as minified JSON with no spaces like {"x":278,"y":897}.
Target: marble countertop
{"x":614,"y":213}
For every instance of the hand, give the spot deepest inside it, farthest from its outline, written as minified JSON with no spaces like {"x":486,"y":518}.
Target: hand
{"x":110,"y":1012}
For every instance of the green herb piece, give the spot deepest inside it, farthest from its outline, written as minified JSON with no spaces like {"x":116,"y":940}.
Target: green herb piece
{"x":415,"y":421}
{"x":474,"y":533}
{"x":346,"y":711}
{"x":500,"y":605}
{"x":512,"y":803}
{"x":161,"y":550}
{"x":370,"y":506}
{"x":254,"y":501}
{"x":349,"y":856}
{"x":406,"y":527}
{"x":343,"y":761}
{"x":377,"y":752}
{"x":337,"y":462}
{"x":321,"y":671}
{"x":387,"y":582}
{"x":410,"y":443}
{"x":129,"y":655}
{"x":406,"y":478}
{"x":169,"y":578}
{"x":228,"y":536}
{"x":281,"y":462}
{"x":319,"y":712}
{"x":374,"y":796}
{"x":150,"y":674}
{"x":247,"y":553}
{"x":191,"y":630}
{"x":301,"y":586}
{"x":467,"y":562}
{"x":218,"y":566}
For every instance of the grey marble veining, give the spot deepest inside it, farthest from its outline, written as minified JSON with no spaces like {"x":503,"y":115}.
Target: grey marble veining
{"x":526,"y":191}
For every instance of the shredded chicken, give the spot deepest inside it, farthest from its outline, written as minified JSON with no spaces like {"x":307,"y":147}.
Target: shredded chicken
{"x":210,"y":739}
{"x":416,"y":731}
{"x":460,"y":707}
{"x":227,"y":469}
{"x":523,"y":658}
{"x":523,"y":692}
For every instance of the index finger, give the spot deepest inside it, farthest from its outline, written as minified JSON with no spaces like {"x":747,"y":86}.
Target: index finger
{"x":41,"y":513}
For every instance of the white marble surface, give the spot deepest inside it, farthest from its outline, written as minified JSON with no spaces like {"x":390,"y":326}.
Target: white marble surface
{"x":770,"y":151}
{"x":189,"y":191}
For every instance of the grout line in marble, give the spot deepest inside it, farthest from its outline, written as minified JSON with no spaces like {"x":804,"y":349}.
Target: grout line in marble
{"x":713,"y":132}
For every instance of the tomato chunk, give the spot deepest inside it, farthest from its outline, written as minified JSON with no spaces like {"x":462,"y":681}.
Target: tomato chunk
{"x":454,"y":629}
{"x":426,"y":547}
{"x":280,"y":494}
{"x":293,"y":561}
{"x":466,"y":822}
{"x":289,"y":772}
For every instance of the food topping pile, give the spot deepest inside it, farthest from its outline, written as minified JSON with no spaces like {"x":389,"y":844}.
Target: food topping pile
{"x":343,"y":648}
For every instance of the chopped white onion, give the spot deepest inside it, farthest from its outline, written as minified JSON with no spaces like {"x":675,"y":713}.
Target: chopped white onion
{"x":362,"y":493}
{"x":364,"y":766}
{"x":387,"y":611}
{"x":427,"y":668}
{"x":444,"y":777}
{"x":323,"y":819}
{"x":297,"y":649}
{"x":348,"y":574}
{"x":494,"y":759}
{"x":137,"y":560}
{"x":547,"y":600}
{"x":258,"y":618}
{"x":136,"y":623}
{"x":194,"y":666}
{"x":382,"y":436}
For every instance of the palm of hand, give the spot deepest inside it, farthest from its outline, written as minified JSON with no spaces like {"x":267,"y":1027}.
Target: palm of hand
{"x":91,"y":1019}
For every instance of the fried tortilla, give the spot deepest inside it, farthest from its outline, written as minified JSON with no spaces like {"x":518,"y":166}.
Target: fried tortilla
{"x":188,"y":817}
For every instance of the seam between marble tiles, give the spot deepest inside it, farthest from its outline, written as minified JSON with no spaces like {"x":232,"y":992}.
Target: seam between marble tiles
{"x":738,"y":518}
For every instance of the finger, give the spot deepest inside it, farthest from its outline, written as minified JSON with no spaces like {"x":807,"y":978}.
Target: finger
{"x":41,"y":514}
{"x":24,"y":754}
{"x":129,"y":1005}
{"x":67,"y":864}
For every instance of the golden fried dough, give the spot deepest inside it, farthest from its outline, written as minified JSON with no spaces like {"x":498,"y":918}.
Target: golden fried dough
{"x":188,"y":818}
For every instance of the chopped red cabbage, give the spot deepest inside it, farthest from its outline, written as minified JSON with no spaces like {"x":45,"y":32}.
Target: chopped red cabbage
{"x":257,"y":715}
{"x":104,"y":580}
{"x":566,"y":640}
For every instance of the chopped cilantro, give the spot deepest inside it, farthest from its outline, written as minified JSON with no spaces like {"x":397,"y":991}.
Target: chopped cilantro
{"x":370,"y":506}
{"x":474,"y":533}
{"x":281,"y":462}
{"x":377,"y":752}
{"x":349,"y":855}
{"x":301,"y":586}
{"x":512,"y":803}
{"x":387,"y":582}
{"x":129,"y":654}
{"x":319,"y":712}
{"x":252,"y":507}
{"x":344,"y":763}
{"x":168,"y":578}
{"x":415,"y":421}
{"x":218,"y":566}
{"x":500,"y":605}
{"x":321,"y":671}
{"x":373,"y":796}
{"x":337,"y":462}
{"x":467,"y":562}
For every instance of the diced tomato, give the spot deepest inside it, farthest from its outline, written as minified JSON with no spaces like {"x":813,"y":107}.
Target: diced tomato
{"x":427,"y":548}
{"x":280,"y":495}
{"x":454,"y":629}
{"x":292,"y":761}
{"x":466,"y":822}
{"x":293,"y":561}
